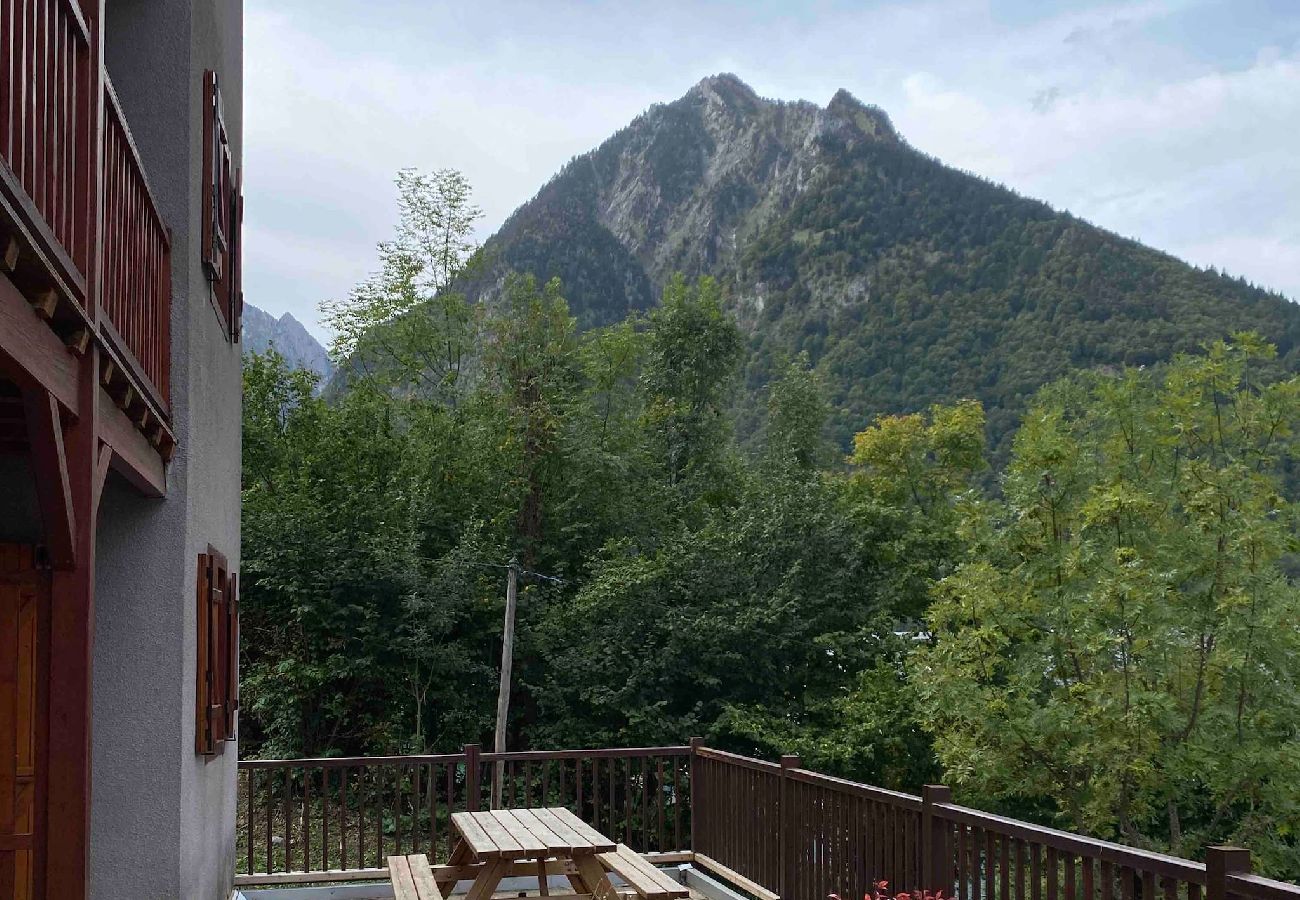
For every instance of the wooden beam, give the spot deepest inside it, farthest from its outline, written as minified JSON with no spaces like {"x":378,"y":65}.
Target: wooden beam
{"x":78,"y":340}
{"x":133,"y":456}
{"x":9,"y":260}
{"x":45,"y":303}
{"x":50,"y":463}
{"x":32,"y":354}
{"x":740,"y":881}
{"x":101,"y":475}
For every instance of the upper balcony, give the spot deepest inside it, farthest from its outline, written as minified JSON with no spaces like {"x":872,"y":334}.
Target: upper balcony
{"x":80,"y":231}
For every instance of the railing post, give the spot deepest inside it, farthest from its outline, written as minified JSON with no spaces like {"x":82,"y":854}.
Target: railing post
{"x":696,"y":807}
{"x":936,"y":857}
{"x":471,"y":777}
{"x":1220,"y":862}
{"x":788,"y":761}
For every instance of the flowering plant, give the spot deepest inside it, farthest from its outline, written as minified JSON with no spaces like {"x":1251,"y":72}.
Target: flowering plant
{"x":880,"y":891}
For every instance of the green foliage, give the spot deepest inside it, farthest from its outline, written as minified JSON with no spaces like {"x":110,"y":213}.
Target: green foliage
{"x":1120,"y":649}
{"x":1108,"y":643}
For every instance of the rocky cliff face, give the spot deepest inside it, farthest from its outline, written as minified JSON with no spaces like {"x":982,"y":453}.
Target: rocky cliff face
{"x":683,"y":188}
{"x":905,"y":281}
{"x":289,"y":338}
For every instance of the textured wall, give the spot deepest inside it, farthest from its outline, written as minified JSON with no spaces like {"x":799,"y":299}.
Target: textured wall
{"x":162,"y":816}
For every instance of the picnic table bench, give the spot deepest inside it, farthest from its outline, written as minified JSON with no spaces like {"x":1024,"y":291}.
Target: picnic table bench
{"x":495,"y":843}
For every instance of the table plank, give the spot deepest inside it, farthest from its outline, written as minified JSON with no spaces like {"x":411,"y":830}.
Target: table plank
{"x":556,"y":844}
{"x":476,"y":838}
{"x":422,"y":876}
{"x":578,"y":845}
{"x":399,"y":873}
{"x":529,"y":843}
{"x":599,"y":842}
{"x":633,"y":868}
{"x":506,"y":846}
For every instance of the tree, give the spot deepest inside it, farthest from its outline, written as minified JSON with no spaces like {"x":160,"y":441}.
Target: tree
{"x":1121,"y":648}
{"x":797,"y":412}
{"x":690,"y":368}
{"x":407,"y":324}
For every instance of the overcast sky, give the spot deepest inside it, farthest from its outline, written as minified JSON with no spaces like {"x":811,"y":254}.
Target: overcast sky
{"x":1172,"y":121}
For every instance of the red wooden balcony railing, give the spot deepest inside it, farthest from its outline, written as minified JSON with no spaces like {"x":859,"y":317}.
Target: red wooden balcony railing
{"x":47,"y":119}
{"x":135,"y":274}
{"x":49,"y":125}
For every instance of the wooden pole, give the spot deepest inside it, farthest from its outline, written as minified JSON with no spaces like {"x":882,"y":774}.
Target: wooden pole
{"x":1220,"y":862}
{"x":507,"y":663}
{"x":785,"y":881}
{"x":936,"y":857}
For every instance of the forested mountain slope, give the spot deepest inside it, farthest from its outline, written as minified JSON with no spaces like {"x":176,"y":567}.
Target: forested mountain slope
{"x":906,"y":281}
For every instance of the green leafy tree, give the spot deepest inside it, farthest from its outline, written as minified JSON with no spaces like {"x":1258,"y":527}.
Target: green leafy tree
{"x":1121,"y":650}
{"x":407,"y":324}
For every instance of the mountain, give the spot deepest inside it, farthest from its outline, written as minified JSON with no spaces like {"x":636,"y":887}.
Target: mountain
{"x":906,"y":281}
{"x":290,"y":339}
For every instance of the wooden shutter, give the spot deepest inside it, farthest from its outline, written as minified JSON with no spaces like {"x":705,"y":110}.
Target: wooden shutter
{"x":232,"y":655}
{"x":217,"y":669}
{"x":222,"y":211}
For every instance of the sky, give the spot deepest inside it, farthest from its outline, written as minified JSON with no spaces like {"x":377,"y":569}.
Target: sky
{"x":1175,"y":122}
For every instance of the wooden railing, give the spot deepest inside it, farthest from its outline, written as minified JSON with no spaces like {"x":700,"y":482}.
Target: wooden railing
{"x":773,"y":829}
{"x":346,"y":815}
{"x":46,"y":118}
{"x":801,"y":835}
{"x":50,"y":143}
{"x":135,"y":274}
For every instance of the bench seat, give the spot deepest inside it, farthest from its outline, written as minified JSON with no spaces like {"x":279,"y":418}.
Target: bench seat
{"x":412,"y":878}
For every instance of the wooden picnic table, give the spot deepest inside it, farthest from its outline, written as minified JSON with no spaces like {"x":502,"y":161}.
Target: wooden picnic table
{"x":548,"y":841}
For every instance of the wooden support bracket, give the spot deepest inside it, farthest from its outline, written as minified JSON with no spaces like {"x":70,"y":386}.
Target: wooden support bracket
{"x":78,"y":340}
{"x":53,"y":489}
{"x":45,"y":303}
{"x":9,"y":259}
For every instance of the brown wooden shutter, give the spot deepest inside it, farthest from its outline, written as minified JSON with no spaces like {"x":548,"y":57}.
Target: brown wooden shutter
{"x":203,"y":660}
{"x":232,"y":655}
{"x":220,"y":209}
{"x":237,"y":257}
{"x":217,"y":642}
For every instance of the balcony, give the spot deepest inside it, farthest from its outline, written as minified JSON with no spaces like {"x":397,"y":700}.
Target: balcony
{"x":80,"y":231}
{"x":763,"y":829}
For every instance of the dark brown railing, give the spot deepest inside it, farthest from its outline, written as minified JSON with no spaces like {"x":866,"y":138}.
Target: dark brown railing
{"x":326,"y":815}
{"x":136,"y":271}
{"x":775,"y":830}
{"x":46,"y":118}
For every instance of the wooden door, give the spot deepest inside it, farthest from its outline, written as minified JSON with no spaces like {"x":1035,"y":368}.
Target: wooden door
{"x":24,"y":606}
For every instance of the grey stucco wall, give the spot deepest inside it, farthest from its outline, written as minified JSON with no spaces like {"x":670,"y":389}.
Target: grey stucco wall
{"x":162,"y":821}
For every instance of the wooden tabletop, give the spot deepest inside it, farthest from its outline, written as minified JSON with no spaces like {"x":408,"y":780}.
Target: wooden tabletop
{"x":529,"y":834}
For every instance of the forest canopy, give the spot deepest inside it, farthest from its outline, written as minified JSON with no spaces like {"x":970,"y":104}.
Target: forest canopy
{"x":1099,"y":634}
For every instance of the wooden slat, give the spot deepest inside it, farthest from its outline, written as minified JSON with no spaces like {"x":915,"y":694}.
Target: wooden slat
{"x":422,"y":875}
{"x":599,"y":842}
{"x":528,"y":843}
{"x":506,"y":846}
{"x":556,"y":844}
{"x":642,"y":877}
{"x":399,"y":873}
{"x":479,"y":841}
{"x":579,"y":845}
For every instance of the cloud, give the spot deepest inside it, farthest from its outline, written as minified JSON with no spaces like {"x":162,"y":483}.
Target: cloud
{"x":1167,"y":120}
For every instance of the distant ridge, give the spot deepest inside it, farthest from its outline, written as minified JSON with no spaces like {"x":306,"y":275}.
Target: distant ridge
{"x":907,"y":282}
{"x":290,"y":339}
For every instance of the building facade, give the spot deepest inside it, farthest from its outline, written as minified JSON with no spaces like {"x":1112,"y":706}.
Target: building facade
{"x":120,"y":209}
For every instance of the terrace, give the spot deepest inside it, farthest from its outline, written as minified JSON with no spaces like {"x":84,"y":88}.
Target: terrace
{"x":727,"y":825}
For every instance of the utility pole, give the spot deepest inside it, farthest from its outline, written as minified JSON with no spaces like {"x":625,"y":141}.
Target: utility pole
{"x":507,"y":663}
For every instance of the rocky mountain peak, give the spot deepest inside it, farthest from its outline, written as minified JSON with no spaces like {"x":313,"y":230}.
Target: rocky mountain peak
{"x":289,"y":338}
{"x":725,"y":89}
{"x":846,"y":110}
